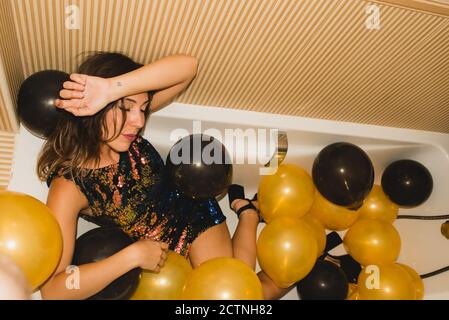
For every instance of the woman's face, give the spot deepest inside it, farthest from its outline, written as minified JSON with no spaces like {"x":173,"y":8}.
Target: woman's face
{"x":135,"y":107}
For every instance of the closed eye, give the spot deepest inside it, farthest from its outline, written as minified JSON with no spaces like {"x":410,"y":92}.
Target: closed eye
{"x":127,"y":109}
{"x":146,"y":107}
{"x":125,"y":106}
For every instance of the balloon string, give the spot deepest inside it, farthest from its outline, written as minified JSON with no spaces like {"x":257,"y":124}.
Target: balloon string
{"x":423,"y":276}
{"x":441,"y":217}
{"x":434,"y":273}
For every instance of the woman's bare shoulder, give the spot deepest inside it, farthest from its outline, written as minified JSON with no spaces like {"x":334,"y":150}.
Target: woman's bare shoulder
{"x":66,"y":191}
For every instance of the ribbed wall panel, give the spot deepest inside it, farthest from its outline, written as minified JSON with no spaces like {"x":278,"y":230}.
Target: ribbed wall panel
{"x":436,"y":7}
{"x":6,"y":157}
{"x":4,"y":120}
{"x":11,"y":74}
{"x":305,"y":58}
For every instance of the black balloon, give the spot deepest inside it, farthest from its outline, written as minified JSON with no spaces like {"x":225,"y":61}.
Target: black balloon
{"x":407,"y":183}
{"x":326,"y":281}
{"x":98,"y":244}
{"x":199,"y":166}
{"x":35,"y":101}
{"x":343,"y":174}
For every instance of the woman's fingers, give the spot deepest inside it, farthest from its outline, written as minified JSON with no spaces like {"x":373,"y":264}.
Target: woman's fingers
{"x":74,"y":106}
{"x":71,"y":94}
{"x":73,"y":86}
{"x":80,"y":78}
{"x":64,"y":104}
{"x":164,"y":246}
{"x":164,"y":255}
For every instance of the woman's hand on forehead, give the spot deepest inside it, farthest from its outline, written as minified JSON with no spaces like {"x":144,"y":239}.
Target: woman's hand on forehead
{"x":84,"y":95}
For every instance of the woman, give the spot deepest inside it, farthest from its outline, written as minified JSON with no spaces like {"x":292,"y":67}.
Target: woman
{"x":97,"y":165}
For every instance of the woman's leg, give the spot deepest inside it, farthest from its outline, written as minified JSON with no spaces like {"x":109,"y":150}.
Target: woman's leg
{"x":245,"y":235}
{"x":270,"y":290}
{"x":213,"y":243}
{"x":244,"y":247}
{"x":216,"y":242}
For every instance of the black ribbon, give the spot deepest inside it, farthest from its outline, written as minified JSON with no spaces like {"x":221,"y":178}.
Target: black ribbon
{"x":349,"y":266}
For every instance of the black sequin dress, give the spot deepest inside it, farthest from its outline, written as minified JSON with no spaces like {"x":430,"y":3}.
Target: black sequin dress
{"x":134,"y":195}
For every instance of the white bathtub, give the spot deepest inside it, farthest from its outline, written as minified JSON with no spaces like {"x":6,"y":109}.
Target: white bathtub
{"x":423,"y":247}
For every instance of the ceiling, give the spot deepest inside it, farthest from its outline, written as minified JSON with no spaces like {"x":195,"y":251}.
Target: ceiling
{"x":322,"y":59}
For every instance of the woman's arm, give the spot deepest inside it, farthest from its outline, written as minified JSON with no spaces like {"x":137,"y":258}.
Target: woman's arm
{"x":85,"y":95}
{"x":65,"y":201}
{"x":168,"y":76}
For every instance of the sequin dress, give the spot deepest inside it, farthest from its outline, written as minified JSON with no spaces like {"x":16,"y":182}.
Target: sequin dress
{"x":134,"y":195}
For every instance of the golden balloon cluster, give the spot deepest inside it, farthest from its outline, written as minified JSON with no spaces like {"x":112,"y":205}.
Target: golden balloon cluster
{"x":214,"y":279}
{"x":297,"y":216}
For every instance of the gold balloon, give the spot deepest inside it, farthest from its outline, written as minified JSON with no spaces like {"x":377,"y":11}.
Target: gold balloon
{"x":168,"y":283}
{"x":332,"y":216}
{"x":30,"y":236}
{"x":371,"y":241}
{"x":378,"y":206}
{"x":318,"y":230}
{"x":416,"y":279}
{"x":353,"y":293}
{"x":223,"y":279}
{"x":385,"y":282}
{"x":352,"y":288}
{"x":287,"y":250}
{"x":288,"y":192}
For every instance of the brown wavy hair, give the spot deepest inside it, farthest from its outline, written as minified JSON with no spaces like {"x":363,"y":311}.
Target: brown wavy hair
{"x":76,"y":141}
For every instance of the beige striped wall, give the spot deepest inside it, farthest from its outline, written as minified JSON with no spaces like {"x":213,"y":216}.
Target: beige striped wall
{"x":312,"y":58}
{"x":438,"y":7}
{"x":6,"y":157}
{"x":11,"y":73}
